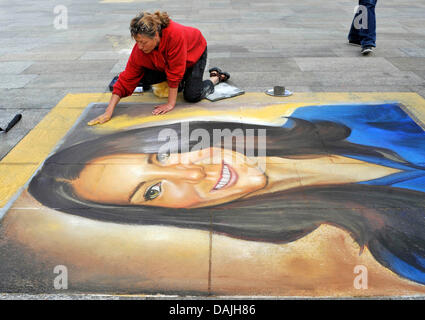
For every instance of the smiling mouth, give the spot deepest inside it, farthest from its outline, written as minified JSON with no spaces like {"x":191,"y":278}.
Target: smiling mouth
{"x":228,"y":177}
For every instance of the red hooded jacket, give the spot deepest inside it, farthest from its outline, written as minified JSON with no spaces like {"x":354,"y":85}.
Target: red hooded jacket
{"x":180,"y":48}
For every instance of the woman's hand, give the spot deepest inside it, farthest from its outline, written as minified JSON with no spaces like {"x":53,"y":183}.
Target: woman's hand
{"x":163,"y":108}
{"x":101,"y":119}
{"x":107,"y":115}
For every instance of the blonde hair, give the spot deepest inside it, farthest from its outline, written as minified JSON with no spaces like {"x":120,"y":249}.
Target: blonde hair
{"x":146,"y":23}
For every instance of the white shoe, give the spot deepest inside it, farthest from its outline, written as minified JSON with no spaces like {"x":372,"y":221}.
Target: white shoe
{"x":367,"y":50}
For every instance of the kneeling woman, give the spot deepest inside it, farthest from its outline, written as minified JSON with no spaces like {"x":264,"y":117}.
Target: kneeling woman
{"x":164,"y":51}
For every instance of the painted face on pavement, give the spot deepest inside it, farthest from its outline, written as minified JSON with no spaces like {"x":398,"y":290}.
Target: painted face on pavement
{"x":195,"y":179}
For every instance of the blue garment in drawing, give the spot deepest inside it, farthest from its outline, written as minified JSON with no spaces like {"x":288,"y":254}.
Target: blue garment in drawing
{"x":386,"y":126}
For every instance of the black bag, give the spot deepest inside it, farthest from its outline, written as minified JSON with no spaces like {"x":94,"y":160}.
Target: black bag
{"x":111,"y":85}
{"x":115,"y":79}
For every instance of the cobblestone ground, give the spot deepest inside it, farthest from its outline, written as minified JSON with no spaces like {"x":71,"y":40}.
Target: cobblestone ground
{"x":301,"y":45}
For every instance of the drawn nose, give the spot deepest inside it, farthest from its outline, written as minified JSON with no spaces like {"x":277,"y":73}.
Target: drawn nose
{"x":189,"y":173}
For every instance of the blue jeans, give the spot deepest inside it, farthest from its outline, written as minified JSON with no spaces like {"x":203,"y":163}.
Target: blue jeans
{"x":365,"y":36}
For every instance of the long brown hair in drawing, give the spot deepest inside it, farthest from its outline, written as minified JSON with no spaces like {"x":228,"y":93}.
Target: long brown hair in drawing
{"x":390,"y":221}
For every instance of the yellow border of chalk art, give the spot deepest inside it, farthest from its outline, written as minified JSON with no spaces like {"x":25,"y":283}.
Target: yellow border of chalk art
{"x":17,"y":167}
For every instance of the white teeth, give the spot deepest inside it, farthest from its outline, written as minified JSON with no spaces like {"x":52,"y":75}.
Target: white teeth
{"x":225,"y":177}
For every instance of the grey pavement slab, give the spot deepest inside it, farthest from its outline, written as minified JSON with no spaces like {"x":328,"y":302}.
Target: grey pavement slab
{"x":104,"y":55}
{"x":418,"y":42}
{"x":267,"y":31}
{"x":14,"y":67}
{"x":119,"y":66}
{"x":408,"y":64}
{"x":419,"y":90}
{"x":400,"y":43}
{"x":323,"y":78}
{"x":416,"y":29}
{"x":414,"y":52}
{"x":98,"y":89}
{"x":351,"y":51}
{"x":255,"y":64}
{"x":420,"y":73}
{"x":367,"y":78}
{"x":365,"y":88}
{"x":217,"y":47}
{"x":33,"y":98}
{"x":112,"y":42}
{"x":56,"y":46}
{"x":70,"y":67}
{"x":391,"y":28}
{"x":67,"y":80}
{"x":15,"y":81}
{"x":345,"y":64}
{"x":30,"y":118}
{"x":10,"y":139}
{"x":219,"y":55}
{"x":270,"y":79}
{"x":285,"y":53}
{"x":42,"y":56}
{"x":17,"y":48}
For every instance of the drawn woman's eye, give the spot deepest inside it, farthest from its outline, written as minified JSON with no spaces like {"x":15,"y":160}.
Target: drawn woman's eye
{"x":153,"y":192}
{"x":162,"y":157}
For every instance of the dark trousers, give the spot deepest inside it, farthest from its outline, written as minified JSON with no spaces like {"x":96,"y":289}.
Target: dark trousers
{"x":365,"y":37}
{"x":194,"y":88}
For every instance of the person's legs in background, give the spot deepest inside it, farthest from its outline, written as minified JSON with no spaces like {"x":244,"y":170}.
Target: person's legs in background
{"x":363,"y":33}
{"x":368,"y":36}
{"x":353,"y":35}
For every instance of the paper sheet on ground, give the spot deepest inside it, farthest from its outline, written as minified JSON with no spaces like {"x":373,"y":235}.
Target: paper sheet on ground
{"x":223,"y":91}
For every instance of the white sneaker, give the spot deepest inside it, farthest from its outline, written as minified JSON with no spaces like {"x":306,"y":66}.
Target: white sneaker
{"x":367,"y":50}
